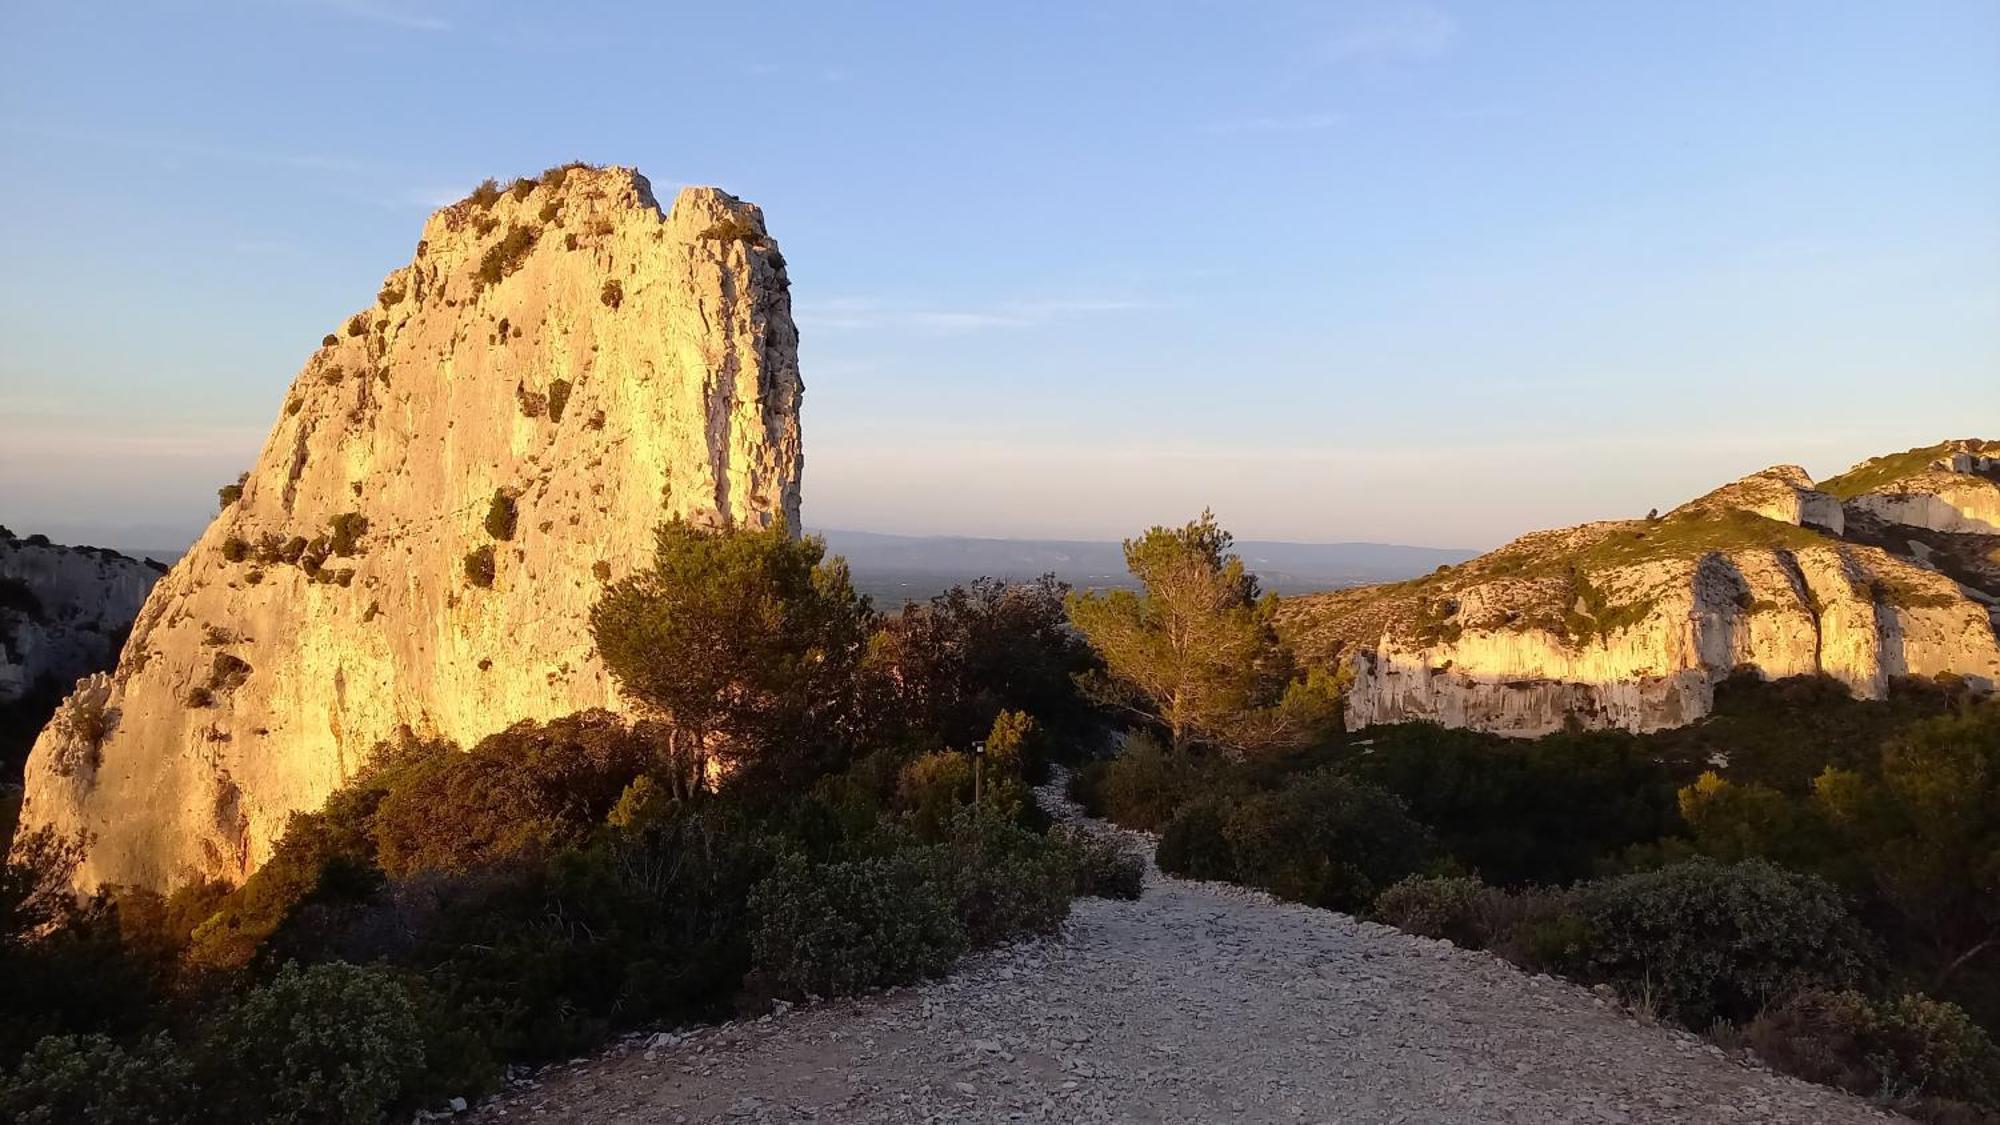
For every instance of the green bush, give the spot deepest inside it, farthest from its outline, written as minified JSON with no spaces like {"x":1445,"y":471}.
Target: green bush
{"x":838,"y":928}
{"x":613,"y":294}
{"x":1147,"y":782}
{"x":479,"y":567}
{"x":650,"y":924}
{"x":235,"y":549}
{"x":1005,"y":880}
{"x":345,"y":532}
{"x":1909,"y":1046}
{"x":1194,"y":844}
{"x":1436,"y":907}
{"x":486,"y":194}
{"x":1105,"y":867}
{"x":330,"y":1043}
{"x":73,"y":1078}
{"x":558,"y":398}
{"x":503,"y":514}
{"x":1706,"y":940}
{"x":531,"y":787}
{"x":1326,"y":840}
{"x":230,"y":493}
{"x":505,"y":256}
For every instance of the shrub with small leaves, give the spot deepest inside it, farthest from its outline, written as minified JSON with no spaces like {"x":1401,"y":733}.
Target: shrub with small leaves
{"x":329,"y":340}
{"x":502,"y":515}
{"x":346,"y":531}
{"x":1711,"y":940}
{"x":613,"y":294}
{"x":479,"y":567}
{"x":505,"y":256}
{"x":231,"y":493}
{"x":334,"y":1043}
{"x":486,"y":194}
{"x":1193,"y":844}
{"x":558,"y":398}
{"x":1435,"y":907}
{"x":838,"y":928}
{"x":1105,"y":867}
{"x":1909,"y":1045}
{"x":235,"y":549}
{"x":72,"y":1078}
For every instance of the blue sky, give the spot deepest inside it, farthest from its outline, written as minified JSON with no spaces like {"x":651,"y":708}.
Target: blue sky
{"x":1433,"y":273}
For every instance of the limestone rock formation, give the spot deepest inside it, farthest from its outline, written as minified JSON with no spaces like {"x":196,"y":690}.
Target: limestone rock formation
{"x":1880,"y":573}
{"x":454,"y":476}
{"x":63,"y":612}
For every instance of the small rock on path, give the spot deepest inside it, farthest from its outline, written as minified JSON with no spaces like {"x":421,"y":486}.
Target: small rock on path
{"x":1200,"y":1002}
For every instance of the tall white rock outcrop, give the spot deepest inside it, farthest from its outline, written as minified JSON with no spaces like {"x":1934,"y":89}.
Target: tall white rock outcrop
{"x":1631,"y":624}
{"x":452,"y":479}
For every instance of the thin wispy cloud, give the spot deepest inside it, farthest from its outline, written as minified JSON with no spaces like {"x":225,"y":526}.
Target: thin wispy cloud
{"x":1398,"y":33}
{"x":1293,"y":123}
{"x":867,"y":313}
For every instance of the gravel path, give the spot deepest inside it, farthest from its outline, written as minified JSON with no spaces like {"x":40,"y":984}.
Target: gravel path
{"x":1199,"y":1002}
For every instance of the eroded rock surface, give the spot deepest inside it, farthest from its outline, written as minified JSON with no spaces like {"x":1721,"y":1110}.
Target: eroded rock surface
{"x":63,"y":611}
{"x":1881,"y":573}
{"x":455,"y":475}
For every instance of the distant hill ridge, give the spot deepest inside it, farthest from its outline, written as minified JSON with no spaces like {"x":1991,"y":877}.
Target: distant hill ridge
{"x":1283,"y":567}
{"x":1890,"y":569}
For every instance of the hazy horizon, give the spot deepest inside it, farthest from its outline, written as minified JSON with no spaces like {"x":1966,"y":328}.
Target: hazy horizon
{"x":1432,"y":274}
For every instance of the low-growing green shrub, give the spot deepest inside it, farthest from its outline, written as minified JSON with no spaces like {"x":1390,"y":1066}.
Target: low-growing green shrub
{"x":505,"y":256}
{"x":1006,"y":881}
{"x":1194,"y":844}
{"x":230,"y":493}
{"x":534,"y":786}
{"x":1908,"y":1046}
{"x":1708,"y":940}
{"x":503,"y":514}
{"x":344,"y":533}
{"x":613,"y":294}
{"x":75,"y":1078}
{"x":332,"y":1043}
{"x":486,"y":194}
{"x":479,"y":566}
{"x":834,"y":929}
{"x":558,"y":398}
{"x":1326,"y":840}
{"x":235,"y":550}
{"x":1445,"y":907}
{"x":1105,"y":867}
{"x":1143,"y":786}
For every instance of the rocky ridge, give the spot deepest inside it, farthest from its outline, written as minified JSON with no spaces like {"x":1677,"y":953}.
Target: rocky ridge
{"x":452,"y":478}
{"x":63,"y":610}
{"x":1889,"y":570}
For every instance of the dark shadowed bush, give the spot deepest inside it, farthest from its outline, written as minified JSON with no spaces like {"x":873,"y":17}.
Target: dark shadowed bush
{"x":533,"y":786}
{"x":1007,"y":881}
{"x":1706,"y":940}
{"x":834,"y":929}
{"x":1105,"y":866}
{"x":1194,"y":844}
{"x":1909,"y":1046}
{"x":72,"y":1078}
{"x":332,"y":1043}
{"x":1144,"y":785}
{"x":1326,"y":840}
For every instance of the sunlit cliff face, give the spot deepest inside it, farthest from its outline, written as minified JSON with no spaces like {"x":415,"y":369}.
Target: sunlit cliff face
{"x":1631,"y":624}
{"x":457,"y":472}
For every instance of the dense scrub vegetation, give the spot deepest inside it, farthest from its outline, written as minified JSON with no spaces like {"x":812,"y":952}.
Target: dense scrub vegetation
{"x":1803,"y":873}
{"x":449,"y":911}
